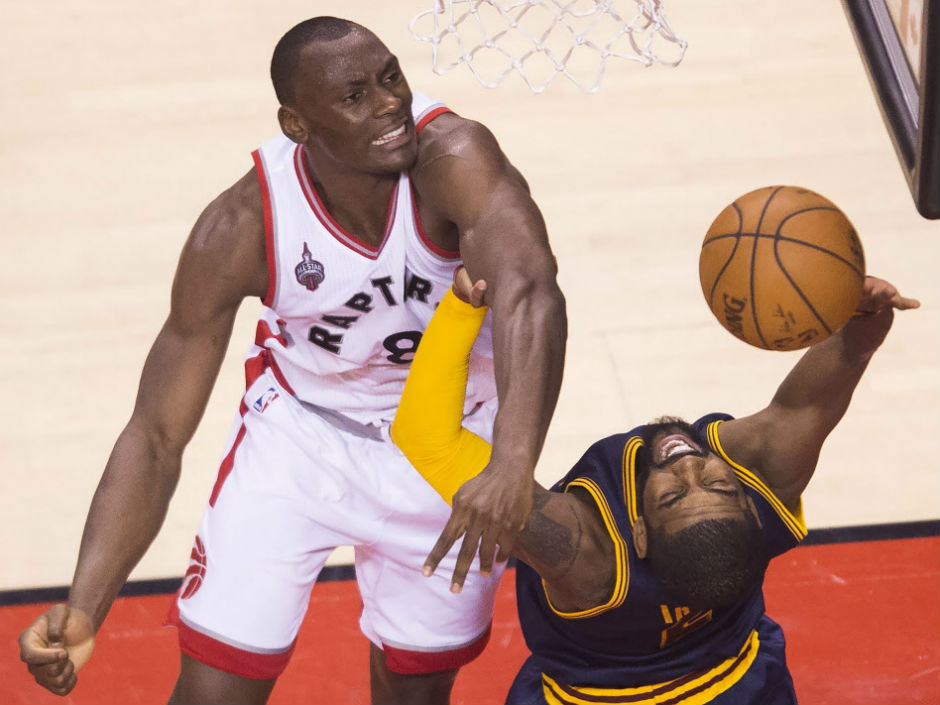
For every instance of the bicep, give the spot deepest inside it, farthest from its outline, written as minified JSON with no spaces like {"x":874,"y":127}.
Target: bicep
{"x":471,"y":183}
{"x":780,"y":445}
{"x":222,"y":262}
{"x":504,"y":240}
{"x":506,"y":244}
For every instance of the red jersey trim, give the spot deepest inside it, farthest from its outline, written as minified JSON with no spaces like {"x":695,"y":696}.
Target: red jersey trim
{"x":228,"y":462}
{"x":408,"y":662}
{"x":254,"y":368}
{"x":268,"y":299}
{"x":423,"y":236}
{"x":429,"y":115}
{"x":334,"y":228}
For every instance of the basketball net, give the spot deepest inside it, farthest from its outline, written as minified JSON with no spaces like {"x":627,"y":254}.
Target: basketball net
{"x":541,"y":39}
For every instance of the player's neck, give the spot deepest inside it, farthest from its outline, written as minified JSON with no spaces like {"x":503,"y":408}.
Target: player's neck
{"x":357,"y":200}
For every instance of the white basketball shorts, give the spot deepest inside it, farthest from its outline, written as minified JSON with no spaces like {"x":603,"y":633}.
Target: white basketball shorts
{"x":294,"y":484}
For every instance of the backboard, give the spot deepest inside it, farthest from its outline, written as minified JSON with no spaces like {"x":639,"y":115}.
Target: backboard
{"x":899,"y":41}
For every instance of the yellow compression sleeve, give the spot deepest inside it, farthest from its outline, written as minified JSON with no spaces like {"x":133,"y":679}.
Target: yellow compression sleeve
{"x":427,"y":426}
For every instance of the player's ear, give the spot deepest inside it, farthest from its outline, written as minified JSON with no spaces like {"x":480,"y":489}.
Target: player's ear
{"x":292,"y":125}
{"x":752,"y":508}
{"x":638,"y":529}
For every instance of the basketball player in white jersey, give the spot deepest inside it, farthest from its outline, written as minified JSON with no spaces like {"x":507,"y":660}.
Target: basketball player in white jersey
{"x":349,"y":228}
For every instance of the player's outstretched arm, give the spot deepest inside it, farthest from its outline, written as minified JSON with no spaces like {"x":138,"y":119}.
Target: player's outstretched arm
{"x":463,"y":176}
{"x":783,"y":441}
{"x":563,"y":538}
{"x":222,"y":262}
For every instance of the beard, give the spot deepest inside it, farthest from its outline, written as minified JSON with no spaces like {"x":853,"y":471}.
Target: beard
{"x":711,"y":564}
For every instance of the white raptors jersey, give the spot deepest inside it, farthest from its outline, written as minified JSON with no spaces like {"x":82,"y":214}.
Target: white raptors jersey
{"x":342,"y":319}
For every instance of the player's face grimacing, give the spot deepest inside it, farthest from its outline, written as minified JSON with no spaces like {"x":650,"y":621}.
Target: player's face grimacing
{"x":354,"y":105}
{"x":686,"y":484}
{"x":697,"y":527}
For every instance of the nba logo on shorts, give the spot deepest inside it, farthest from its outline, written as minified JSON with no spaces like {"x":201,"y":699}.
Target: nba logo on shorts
{"x":308,"y":271}
{"x":261,"y":403}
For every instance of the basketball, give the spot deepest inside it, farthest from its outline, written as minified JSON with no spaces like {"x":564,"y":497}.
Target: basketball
{"x":782,"y":268}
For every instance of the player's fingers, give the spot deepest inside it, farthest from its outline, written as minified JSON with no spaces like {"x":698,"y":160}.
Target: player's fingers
{"x":43,"y":657}
{"x":34,"y":645}
{"x":882,"y":293}
{"x":502,"y":555}
{"x":56,"y":618}
{"x":49,"y":671}
{"x":477,"y":293}
{"x":903,"y":303}
{"x":487,"y":551}
{"x":61,"y":684}
{"x":887,"y":297}
{"x":66,"y":675}
{"x":468,"y":551}
{"x":54,"y":675}
{"x":462,"y":286}
{"x":66,"y":688}
{"x":452,"y":531}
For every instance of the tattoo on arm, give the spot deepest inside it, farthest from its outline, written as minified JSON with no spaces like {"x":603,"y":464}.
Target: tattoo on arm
{"x":550,"y":542}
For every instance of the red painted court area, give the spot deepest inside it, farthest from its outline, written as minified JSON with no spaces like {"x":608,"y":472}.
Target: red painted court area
{"x":862,"y":622}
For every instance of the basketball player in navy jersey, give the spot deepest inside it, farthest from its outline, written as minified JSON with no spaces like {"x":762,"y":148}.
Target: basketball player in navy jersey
{"x":349,"y":229}
{"x":641,"y":570}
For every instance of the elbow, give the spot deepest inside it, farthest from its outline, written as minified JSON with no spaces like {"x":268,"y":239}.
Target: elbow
{"x":404,"y":437}
{"x":150,"y":451}
{"x":540,"y":298}
{"x":551,"y":316}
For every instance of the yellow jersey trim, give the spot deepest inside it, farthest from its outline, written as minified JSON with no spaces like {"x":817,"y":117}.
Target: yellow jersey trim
{"x":695,"y":688}
{"x":793,"y":521}
{"x":622,"y":581}
{"x":630,"y":449}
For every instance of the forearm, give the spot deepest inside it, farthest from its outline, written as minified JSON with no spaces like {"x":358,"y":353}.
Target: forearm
{"x":427,"y":426}
{"x":529,"y":335}
{"x":826,"y":376}
{"x":126,"y":513}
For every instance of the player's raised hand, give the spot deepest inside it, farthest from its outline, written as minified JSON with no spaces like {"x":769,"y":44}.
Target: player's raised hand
{"x":56,"y":646}
{"x":875,"y":313}
{"x":879,"y":294}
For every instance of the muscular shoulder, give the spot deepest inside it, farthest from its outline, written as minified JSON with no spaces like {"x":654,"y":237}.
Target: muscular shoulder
{"x":450,"y":135}
{"x":233,"y":221}
{"x":223,"y":259}
{"x":459,"y":165}
{"x":566,"y":541}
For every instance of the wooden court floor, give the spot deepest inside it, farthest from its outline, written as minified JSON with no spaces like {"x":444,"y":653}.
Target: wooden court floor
{"x":122,"y":120}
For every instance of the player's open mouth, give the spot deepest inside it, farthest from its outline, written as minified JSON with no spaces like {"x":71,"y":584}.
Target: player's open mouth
{"x":673,"y":446}
{"x":389,"y":136}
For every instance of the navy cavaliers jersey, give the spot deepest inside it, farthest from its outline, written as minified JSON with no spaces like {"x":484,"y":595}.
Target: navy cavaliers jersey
{"x":639,"y":647}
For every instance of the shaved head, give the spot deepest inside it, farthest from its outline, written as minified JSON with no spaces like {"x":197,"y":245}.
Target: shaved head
{"x":287,"y":54}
